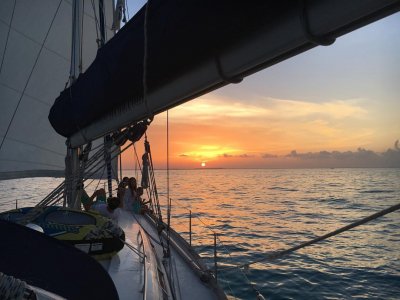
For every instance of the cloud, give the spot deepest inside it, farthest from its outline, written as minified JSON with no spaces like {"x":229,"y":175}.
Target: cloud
{"x":245,"y":155}
{"x":360,"y":153}
{"x":267,"y":155}
{"x":214,"y":107}
{"x":211,"y":108}
{"x":360,"y":158}
{"x":335,"y":109}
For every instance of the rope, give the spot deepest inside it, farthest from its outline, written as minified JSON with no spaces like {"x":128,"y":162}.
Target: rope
{"x":279,"y":254}
{"x":96,"y":23}
{"x":12,"y":288}
{"x":80,"y":67}
{"x":30,"y":75}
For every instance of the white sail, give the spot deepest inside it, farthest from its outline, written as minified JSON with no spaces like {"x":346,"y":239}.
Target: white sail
{"x":35,"y":50}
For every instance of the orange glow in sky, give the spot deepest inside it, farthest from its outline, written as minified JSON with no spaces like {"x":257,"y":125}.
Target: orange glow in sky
{"x":282,"y":134}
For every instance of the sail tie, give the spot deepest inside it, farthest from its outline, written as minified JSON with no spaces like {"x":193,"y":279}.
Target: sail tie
{"x":228,"y":79}
{"x":312,"y":38}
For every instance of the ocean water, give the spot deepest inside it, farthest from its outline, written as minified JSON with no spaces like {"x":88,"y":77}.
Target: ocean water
{"x":254,"y":212}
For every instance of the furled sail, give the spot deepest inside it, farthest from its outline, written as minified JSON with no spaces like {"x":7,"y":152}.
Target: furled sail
{"x":35,"y":51}
{"x":194,"y":47}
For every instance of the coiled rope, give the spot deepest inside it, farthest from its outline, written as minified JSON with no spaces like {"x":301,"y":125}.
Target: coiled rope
{"x":13,"y":288}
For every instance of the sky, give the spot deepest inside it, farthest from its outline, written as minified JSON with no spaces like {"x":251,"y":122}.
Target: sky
{"x":335,"y":106}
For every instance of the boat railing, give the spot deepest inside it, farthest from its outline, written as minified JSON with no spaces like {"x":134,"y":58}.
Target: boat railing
{"x":143,"y":262}
{"x":154,"y":286}
{"x":204,"y":258}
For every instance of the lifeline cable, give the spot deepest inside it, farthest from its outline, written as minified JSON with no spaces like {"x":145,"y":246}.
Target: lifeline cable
{"x":226,"y":250}
{"x":279,"y":254}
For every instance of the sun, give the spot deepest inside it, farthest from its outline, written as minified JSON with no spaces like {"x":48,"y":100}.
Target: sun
{"x":203,"y":164}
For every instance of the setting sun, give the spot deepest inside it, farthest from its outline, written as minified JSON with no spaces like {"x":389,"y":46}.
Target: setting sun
{"x":203,"y":164}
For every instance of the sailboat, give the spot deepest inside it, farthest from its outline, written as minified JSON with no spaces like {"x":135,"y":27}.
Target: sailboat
{"x":113,"y":82}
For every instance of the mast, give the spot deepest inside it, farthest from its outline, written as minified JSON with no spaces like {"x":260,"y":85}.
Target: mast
{"x":72,"y":158}
{"x":107,"y":138}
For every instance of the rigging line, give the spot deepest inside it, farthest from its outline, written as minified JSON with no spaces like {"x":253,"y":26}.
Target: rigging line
{"x":8,"y":35}
{"x":127,"y":9}
{"x":226,"y":250}
{"x":60,"y":189}
{"x":145,"y":55}
{"x":101,"y":177}
{"x":97,"y":147}
{"x":80,"y":67}
{"x":153,"y":182}
{"x":222,"y":278}
{"x":137,"y":159}
{"x":98,"y":183}
{"x":168,"y":198}
{"x":113,"y":171}
{"x":120,"y":167}
{"x":93,"y":172}
{"x":279,"y":254}
{"x":96,"y":22}
{"x":105,"y":23}
{"x":137,"y":165}
{"x":257,"y":291}
{"x":33,"y":68}
{"x":168,"y":156}
{"x":197,"y":217}
{"x":230,"y":256}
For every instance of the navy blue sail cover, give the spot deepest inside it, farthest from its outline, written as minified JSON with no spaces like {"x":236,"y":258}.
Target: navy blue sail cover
{"x":181,"y":36}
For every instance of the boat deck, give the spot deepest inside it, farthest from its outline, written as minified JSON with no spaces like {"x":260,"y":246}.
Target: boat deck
{"x":140,"y":271}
